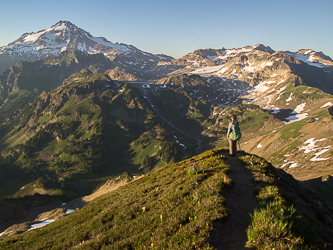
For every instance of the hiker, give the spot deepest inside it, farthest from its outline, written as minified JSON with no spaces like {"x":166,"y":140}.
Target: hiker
{"x":233,"y":135}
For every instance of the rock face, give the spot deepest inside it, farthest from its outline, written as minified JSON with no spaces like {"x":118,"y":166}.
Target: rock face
{"x":120,"y":74}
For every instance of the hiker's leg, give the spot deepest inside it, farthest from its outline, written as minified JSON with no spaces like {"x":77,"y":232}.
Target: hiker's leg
{"x":230,"y":146}
{"x":234,"y":147}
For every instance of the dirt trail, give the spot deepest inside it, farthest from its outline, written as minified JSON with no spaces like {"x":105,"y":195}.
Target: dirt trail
{"x":231,"y":233}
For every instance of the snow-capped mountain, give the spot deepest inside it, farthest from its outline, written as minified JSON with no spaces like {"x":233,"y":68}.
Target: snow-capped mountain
{"x":211,"y":57}
{"x":60,"y":37}
{"x":257,"y":75}
{"x":65,"y":36}
{"x":312,"y":57}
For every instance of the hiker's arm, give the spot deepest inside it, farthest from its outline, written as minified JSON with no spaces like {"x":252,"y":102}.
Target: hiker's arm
{"x":229,"y":130}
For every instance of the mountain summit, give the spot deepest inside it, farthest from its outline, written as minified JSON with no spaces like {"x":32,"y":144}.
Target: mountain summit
{"x":60,"y":37}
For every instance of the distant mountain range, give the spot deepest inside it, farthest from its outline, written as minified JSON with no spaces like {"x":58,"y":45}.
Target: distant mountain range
{"x":65,"y":36}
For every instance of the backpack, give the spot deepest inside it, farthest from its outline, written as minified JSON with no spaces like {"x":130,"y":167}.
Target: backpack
{"x":235,"y":134}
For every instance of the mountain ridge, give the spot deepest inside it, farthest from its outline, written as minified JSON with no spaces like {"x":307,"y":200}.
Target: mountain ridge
{"x":64,"y":36}
{"x":202,"y":191}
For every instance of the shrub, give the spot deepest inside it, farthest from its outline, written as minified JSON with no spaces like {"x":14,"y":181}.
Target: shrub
{"x":271,"y":227}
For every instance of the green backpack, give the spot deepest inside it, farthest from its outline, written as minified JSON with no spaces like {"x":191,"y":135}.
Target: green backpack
{"x":235,"y":134}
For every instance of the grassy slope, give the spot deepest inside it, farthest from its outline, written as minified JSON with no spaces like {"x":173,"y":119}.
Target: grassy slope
{"x":254,"y":121}
{"x":176,"y":207}
{"x":281,"y":144}
{"x":276,"y":138}
{"x":83,"y":131}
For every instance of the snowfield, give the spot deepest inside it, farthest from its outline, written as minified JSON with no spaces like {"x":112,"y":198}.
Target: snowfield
{"x":308,"y":58}
{"x":296,"y":114}
{"x":312,"y":147}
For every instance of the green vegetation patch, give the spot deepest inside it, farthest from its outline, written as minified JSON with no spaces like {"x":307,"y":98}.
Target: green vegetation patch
{"x":186,"y":80}
{"x":292,"y":130}
{"x":279,"y":155}
{"x":45,"y":118}
{"x":250,"y":116}
{"x":277,"y":224}
{"x":168,"y":209}
{"x":302,"y":92}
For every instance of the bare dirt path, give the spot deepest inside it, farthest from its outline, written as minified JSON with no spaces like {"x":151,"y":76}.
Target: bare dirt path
{"x":231,"y":233}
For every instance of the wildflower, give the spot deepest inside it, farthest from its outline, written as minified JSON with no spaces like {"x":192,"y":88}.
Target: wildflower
{"x":191,"y":169}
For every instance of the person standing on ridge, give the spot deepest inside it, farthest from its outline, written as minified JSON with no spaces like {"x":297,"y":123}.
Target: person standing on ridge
{"x":233,"y":135}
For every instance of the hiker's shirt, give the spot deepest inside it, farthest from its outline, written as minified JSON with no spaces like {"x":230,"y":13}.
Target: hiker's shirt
{"x":230,"y":128}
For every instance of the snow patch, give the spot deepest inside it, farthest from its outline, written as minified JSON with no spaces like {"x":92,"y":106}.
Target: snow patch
{"x":312,"y":147}
{"x":261,"y":87}
{"x":290,"y":97}
{"x":299,"y":108}
{"x":279,"y":92}
{"x":68,"y":211}
{"x":308,"y":58}
{"x":207,"y":70}
{"x":329,"y":104}
{"x":292,"y":164}
{"x":296,"y":114}
{"x":41,"y":224}
{"x":4,"y":233}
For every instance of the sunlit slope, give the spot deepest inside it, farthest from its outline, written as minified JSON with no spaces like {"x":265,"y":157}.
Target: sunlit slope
{"x":297,"y":137}
{"x":177,"y":206}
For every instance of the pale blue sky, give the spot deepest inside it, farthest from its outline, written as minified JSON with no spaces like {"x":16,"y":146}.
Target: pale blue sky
{"x":179,"y":27}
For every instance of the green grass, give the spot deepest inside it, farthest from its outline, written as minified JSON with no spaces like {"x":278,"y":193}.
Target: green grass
{"x":278,"y":155}
{"x":167,"y":209}
{"x":182,"y":110}
{"x":278,"y":223}
{"x":176,"y":206}
{"x":45,"y":118}
{"x":292,"y":130}
{"x":310,"y":92}
{"x":186,"y":80}
{"x":149,"y":149}
{"x":271,"y":228}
